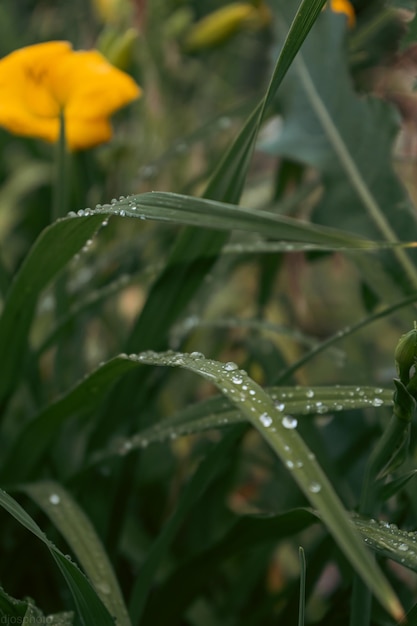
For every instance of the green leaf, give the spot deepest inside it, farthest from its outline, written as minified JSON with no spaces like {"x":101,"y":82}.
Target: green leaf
{"x":80,"y":535}
{"x":389,"y":541}
{"x":55,"y":246}
{"x":280,"y":433}
{"x":204,"y":213}
{"x":218,"y":412}
{"x":349,"y":139}
{"x":89,"y":606}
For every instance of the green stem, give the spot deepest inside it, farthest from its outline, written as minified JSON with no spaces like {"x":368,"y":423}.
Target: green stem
{"x":60,"y":190}
{"x":59,"y":210}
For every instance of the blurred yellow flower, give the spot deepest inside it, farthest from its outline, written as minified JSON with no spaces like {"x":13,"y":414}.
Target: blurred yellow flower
{"x":40,"y":82}
{"x":344,"y":6}
{"x":221,"y":24}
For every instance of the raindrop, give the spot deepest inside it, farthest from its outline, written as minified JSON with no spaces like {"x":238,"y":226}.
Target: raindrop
{"x":403,"y":547}
{"x":310,"y":393}
{"x":237,"y":379}
{"x":289,"y":422}
{"x":54,"y":498}
{"x":289,"y":464}
{"x":377,"y":402}
{"x":280,"y":406}
{"x":197,"y":355}
{"x":266,"y":419}
{"x":314,"y":487}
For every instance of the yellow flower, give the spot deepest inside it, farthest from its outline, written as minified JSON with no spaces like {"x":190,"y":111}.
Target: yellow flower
{"x":344,"y":6}
{"x":221,"y":24}
{"x":39,"y":82}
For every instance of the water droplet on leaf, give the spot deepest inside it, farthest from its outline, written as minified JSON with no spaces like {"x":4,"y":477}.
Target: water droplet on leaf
{"x":289,"y":422}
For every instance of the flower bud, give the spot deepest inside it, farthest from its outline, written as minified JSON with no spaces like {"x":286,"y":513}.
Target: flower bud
{"x":405,"y":354}
{"x":220,"y":25}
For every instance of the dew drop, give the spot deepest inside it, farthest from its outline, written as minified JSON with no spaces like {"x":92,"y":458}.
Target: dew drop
{"x":403,"y":547}
{"x":314,"y":487}
{"x":289,"y":464}
{"x":54,"y":498}
{"x":310,"y":393}
{"x":280,"y":406}
{"x":377,"y":402}
{"x":230,"y":366}
{"x":237,"y":379}
{"x":289,"y":422}
{"x":266,"y":419}
{"x":197,"y":355}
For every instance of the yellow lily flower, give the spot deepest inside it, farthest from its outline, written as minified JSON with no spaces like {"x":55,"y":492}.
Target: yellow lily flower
{"x":39,"y":83}
{"x":344,"y":6}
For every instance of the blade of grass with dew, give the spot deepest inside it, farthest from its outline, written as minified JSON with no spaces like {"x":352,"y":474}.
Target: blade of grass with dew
{"x":212,"y":214}
{"x":89,"y":606}
{"x":218,"y":412}
{"x":280,"y":433}
{"x":81,"y":536}
{"x":389,"y":541}
{"x":55,"y":246}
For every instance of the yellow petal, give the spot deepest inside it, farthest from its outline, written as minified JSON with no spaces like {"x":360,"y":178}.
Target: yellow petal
{"x":40,"y":81}
{"x":88,"y":86}
{"x":23,"y":76}
{"x":344,"y":6}
{"x":83,"y":133}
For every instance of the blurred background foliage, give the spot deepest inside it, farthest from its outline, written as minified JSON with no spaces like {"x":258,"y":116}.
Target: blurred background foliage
{"x":261,"y":311}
